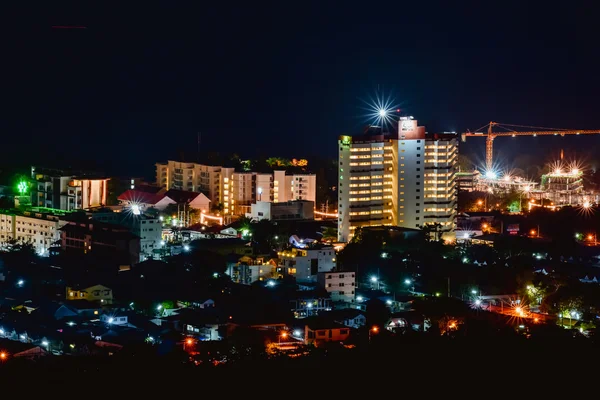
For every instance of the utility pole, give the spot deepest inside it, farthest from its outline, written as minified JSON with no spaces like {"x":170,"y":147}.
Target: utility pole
{"x":448,"y":286}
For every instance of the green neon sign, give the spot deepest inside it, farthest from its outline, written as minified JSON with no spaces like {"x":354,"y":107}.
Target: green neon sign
{"x":22,"y":187}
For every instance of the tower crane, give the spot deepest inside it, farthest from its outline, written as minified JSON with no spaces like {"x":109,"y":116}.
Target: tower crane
{"x":509,"y":130}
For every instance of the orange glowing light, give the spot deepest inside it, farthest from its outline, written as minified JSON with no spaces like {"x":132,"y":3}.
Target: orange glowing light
{"x":189,"y":341}
{"x":590,"y":237}
{"x":3,"y":356}
{"x":284,"y":334}
{"x":484,"y":226}
{"x":532,"y":232}
{"x":480,"y":202}
{"x":536,"y":320}
{"x":375,"y":329}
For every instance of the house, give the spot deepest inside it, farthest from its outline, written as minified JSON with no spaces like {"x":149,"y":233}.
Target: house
{"x":247,"y":270}
{"x":114,"y":319}
{"x":229,"y":231}
{"x":305,"y":264}
{"x":96,"y":293}
{"x":307,"y":303}
{"x":81,"y":308}
{"x":13,"y":349}
{"x":340,"y":285}
{"x":198,"y":303}
{"x":349,"y":317}
{"x":320,"y":330}
{"x":143,"y":199}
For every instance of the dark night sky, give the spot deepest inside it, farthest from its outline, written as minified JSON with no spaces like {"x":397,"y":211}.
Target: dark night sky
{"x":138,"y":84}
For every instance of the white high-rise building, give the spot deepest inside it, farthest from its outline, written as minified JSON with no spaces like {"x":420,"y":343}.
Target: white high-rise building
{"x":405,"y":179}
{"x":441,"y":186}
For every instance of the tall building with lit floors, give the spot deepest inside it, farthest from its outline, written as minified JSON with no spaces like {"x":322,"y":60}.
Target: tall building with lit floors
{"x":401,"y":179}
{"x":441,"y":186}
{"x":367,"y":191}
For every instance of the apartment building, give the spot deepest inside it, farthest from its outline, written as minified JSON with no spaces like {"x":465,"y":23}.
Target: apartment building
{"x":41,"y":230}
{"x":235,"y":191}
{"x":148,"y":229}
{"x":64,"y":190}
{"x":214,"y":182}
{"x":441,"y":187}
{"x":305,"y":264}
{"x":382,"y":179}
{"x":340,"y":285}
{"x":86,"y":235}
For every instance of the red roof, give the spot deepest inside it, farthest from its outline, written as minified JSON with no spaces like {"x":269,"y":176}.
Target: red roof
{"x":181,"y":196}
{"x":138,"y":196}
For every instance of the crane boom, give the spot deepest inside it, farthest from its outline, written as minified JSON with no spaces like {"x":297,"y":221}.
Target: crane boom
{"x":490,"y":136}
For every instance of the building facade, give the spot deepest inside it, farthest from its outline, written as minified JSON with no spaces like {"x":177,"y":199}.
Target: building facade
{"x":64,"y":191}
{"x":85,"y":236}
{"x":148,"y":229}
{"x":41,"y":230}
{"x":213,"y":181}
{"x":396,"y":180}
{"x":340,"y":285}
{"x":441,"y":187}
{"x":305,"y":264}
{"x":235,"y":192}
{"x":283,"y":211}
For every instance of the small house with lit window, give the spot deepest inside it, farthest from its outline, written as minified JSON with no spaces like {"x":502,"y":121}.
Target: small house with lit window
{"x":319,"y":330}
{"x":96,"y":293}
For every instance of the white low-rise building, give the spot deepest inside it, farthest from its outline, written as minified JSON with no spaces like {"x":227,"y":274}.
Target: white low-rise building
{"x":288,"y":211}
{"x":340,"y":285}
{"x":39,"y":229}
{"x":305,"y":264}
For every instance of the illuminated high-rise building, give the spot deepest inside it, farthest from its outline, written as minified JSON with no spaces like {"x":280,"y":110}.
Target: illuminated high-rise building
{"x":404,"y":179}
{"x":235,"y":192}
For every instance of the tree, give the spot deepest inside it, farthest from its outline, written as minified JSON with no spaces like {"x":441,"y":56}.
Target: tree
{"x":217,"y":207}
{"x":330,"y":233}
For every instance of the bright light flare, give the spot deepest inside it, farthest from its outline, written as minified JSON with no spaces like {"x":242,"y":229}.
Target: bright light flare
{"x":586,"y":209}
{"x":380,"y":111}
{"x":491,"y":175}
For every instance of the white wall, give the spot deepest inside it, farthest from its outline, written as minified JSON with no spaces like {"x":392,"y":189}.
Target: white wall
{"x":337,"y":282}
{"x":300,"y":259}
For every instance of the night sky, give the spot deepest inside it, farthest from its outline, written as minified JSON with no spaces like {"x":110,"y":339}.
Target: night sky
{"x":287,"y":78}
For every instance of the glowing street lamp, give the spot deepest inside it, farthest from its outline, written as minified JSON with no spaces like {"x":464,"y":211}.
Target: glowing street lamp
{"x":22,"y":188}
{"x":283,"y":335}
{"x":382,"y":113}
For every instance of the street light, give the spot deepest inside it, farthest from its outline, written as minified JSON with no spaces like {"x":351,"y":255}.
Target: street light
{"x":283,"y":335}
{"x":373,"y":331}
{"x":409,"y":282}
{"x":375,"y":279}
